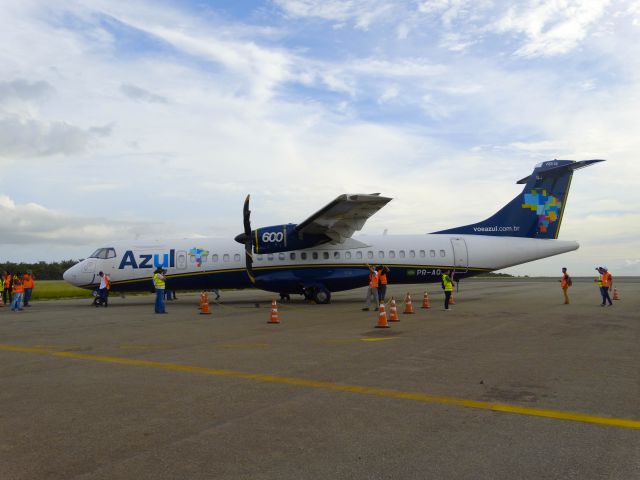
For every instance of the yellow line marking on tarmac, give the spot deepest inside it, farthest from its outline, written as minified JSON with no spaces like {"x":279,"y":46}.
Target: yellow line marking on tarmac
{"x":144,"y":347}
{"x":338,"y":387}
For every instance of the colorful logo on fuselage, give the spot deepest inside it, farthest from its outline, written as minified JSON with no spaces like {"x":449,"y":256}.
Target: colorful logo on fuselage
{"x":547,"y":208}
{"x":198,"y":254}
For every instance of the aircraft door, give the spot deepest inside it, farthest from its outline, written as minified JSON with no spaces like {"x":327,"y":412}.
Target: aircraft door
{"x":460,"y":254}
{"x":181,"y":259}
{"x":89,"y":266}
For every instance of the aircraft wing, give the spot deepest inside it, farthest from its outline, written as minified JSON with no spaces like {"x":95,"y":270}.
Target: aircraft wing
{"x":345,"y":215}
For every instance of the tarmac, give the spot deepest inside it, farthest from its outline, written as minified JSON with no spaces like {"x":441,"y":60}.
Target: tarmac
{"x":508,"y":384}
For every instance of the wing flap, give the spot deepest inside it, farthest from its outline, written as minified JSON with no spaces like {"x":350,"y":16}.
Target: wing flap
{"x":346,"y":214}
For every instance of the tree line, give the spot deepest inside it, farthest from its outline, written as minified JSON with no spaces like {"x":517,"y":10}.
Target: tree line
{"x":41,"y":270}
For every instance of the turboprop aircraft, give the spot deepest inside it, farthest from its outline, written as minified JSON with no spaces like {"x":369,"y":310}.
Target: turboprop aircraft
{"x":320,"y":256}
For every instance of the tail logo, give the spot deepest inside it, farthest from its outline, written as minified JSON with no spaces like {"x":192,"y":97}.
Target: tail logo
{"x":547,"y":207}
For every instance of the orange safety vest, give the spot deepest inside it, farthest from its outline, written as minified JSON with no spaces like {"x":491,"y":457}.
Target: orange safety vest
{"x":107,"y":282}
{"x":383,"y":278}
{"x":607,"y":280}
{"x":17,"y":286}
{"x":6,"y":279}
{"x":27,"y":281}
{"x":373,"y":280}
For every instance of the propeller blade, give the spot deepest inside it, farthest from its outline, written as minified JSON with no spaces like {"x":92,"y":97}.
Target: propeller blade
{"x":247,"y":238}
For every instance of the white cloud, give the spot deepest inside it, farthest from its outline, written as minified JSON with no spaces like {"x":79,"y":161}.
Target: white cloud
{"x":552,"y":28}
{"x":30,"y":223}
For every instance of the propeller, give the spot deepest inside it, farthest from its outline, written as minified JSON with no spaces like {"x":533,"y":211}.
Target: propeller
{"x":246,"y":238}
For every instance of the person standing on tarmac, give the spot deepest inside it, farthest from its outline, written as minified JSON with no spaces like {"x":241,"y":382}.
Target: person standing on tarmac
{"x":28,"y":282}
{"x":565,"y":283}
{"x":598,"y":281}
{"x":159,"y":282}
{"x":382,"y":282}
{"x":17,"y":292}
{"x":103,"y":291}
{"x":372,"y":291}
{"x":447,"y":286}
{"x":607,"y":284}
{"x":6,"y":287}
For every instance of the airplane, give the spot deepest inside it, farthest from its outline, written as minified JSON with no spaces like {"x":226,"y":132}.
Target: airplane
{"x":320,"y":255}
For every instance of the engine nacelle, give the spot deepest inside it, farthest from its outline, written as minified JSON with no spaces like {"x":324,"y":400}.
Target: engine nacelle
{"x":283,"y":238}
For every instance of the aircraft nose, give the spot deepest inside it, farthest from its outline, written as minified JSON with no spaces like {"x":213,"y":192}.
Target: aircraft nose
{"x":69,"y":275}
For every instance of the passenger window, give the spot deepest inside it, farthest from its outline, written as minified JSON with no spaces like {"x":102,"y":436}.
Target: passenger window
{"x":359,"y":255}
{"x":192,"y":259}
{"x":369,"y":254}
{"x":281,"y":256}
{"x":314,"y":255}
{"x":392,"y":254}
{"x":292,"y":256}
{"x":270,"y":257}
{"x":336,"y":255}
{"x":347,"y":255}
{"x":432,"y":253}
{"x":204,"y":259}
{"x":423,"y":254}
{"x":214,"y":257}
{"x":412,"y":254}
{"x":325,"y":255}
{"x":443,"y":253}
{"x":236,"y":257}
{"x":303,"y":255}
{"x":259,"y":258}
{"x":225,"y":257}
{"x":380,"y":254}
{"x":401,"y":253}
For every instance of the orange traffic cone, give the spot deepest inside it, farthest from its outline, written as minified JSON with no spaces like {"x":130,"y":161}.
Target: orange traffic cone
{"x":204,"y":304}
{"x":393,"y":311}
{"x":451,"y":300}
{"x":273,"y":318}
{"x":615,"y":294}
{"x":425,"y":300}
{"x":202,"y":300}
{"x":382,"y":318}
{"x":408,"y":306}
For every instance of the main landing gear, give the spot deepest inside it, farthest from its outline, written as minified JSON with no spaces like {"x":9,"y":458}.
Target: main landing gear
{"x":318,"y":295}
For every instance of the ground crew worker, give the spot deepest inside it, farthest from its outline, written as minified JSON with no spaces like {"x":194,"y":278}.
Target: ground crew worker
{"x":598,"y":280}
{"x":103,"y":291}
{"x":447,"y":285}
{"x":382,"y":282}
{"x":372,"y":291}
{"x":159,"y":283}
{"x":565,"y":283}
{"x":607,"y":284}
{"x":17,"y":292}
{"x":6,"y":287}
{"x":28,"y":282}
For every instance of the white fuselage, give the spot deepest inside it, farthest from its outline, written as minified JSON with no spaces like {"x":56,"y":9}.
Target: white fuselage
{"x":220,"y":263}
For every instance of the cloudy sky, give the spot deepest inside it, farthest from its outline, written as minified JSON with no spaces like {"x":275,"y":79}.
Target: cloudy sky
{"x":155,"y":118}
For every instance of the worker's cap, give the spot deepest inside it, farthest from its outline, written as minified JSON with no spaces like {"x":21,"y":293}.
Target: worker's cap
{"x":100,"y":273}
{"x":605,"y":269}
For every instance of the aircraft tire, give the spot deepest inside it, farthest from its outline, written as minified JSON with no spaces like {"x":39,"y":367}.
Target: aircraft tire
{"x":322,"y":296}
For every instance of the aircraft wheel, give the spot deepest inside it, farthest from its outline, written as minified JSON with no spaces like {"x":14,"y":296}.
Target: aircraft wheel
{"x":285,"y":298}
{"x":322,"y":296}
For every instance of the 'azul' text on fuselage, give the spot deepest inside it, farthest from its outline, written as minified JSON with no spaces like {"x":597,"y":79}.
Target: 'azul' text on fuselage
{"x":148,"y":260}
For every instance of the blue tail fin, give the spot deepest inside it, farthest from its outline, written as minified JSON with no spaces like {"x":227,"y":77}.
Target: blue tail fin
{"x":537,"y":211}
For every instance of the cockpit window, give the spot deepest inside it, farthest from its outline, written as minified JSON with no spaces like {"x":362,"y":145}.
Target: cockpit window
{"x":103,"y":253}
